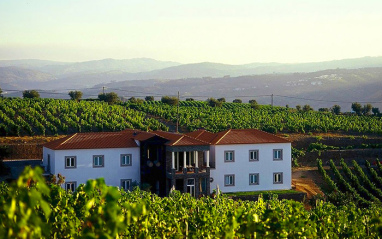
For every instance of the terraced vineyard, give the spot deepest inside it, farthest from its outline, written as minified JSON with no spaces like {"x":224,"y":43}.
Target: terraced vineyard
{"x":51,"y":117}
{"x":197,"y":114}
{"x":353,"y":184}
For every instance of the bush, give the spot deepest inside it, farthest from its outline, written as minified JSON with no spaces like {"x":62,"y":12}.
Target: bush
{"x":214,"y":103}
{"x":170,"y":100}
{"x":31,"y":94}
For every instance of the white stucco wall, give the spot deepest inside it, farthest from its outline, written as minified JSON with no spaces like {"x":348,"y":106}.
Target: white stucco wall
{"x":112,"y":171}
{"x":242,"y":167}
{"x":47,"y":151}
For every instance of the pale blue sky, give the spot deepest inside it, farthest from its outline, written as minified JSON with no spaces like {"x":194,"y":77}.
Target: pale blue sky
{"x":223,"y":31}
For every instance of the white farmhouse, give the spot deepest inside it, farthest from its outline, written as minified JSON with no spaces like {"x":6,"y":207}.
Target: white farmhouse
{"x":237,"y":160}
{"x":248,"y":160}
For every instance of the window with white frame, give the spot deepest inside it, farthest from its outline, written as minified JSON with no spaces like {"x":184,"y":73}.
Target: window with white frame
{"x":229,"y":156}
{"x":277,"y":154}
{"x":253,"y":155}
{"x":70,"y":161}
{"x":125,"y":159}
{"x":126,"y":184}
{"x":70,"y":186}
{"x":277,"y":178}
{"x":229,"y":180}
{"x":254,"y":179}
{"x":98,"y":161}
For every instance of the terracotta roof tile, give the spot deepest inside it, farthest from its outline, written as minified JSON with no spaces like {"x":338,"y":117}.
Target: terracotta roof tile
{"x":246,"y":136}
{"x":97,"y":140}
{"x":126,"y":139}
{"x":176,"y":139}
{"x":203,"y":135}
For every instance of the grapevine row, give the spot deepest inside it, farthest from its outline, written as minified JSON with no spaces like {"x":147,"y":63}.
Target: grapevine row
{"x":30,"y":208}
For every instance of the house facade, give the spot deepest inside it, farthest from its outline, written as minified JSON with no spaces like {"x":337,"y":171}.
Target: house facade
{"x":196,"y":163}
{"x":248,"y":160}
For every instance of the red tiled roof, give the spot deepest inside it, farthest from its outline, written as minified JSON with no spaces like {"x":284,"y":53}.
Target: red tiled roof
{"x":246,"y":136}
{"x":97,"y":140}
{"x":126,"y":139}
{"x":203,"y":135}
{"x":176,"y":139}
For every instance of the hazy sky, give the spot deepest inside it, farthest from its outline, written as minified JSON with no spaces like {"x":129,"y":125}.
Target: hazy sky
{"x":223,"y":31}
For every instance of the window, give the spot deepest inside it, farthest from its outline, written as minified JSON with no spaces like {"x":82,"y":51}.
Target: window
{"x":253,"y":155}
{"x":254,"y":179}
{"x":98,"y":161}
{"x":70,"y":161}
{"x":277,"y":154}
{"x":277,"y":178}
{"x":125,"y":159}
{"x":229,"y":156}
{"x":229,"y":180}
{"x":126,"y":184}
{"x":70,"y":186}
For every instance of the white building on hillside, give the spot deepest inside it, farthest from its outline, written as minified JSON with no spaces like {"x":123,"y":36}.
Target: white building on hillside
{"x":236,"y":160}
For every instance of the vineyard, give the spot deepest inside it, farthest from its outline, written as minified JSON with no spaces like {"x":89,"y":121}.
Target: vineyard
{"x":31,"y":208}
{"x":353,"y":183}
{"x":197,"y":114}
{"x":53,"y":117}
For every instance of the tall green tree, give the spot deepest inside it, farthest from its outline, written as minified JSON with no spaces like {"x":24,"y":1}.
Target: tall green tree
{"x":75,"y":95}
{"x":336,"y":109}
{"x":307,"y":108}
{"x":31,"y":94}
{"x":367,"y":109}
{"x":237,"y":101}
{"x":357,"y":108}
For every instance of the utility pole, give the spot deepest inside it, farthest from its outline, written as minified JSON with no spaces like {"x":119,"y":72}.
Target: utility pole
{"x":103,"y":90}
{"x":272,"y":100}
{"x":177,"y":116}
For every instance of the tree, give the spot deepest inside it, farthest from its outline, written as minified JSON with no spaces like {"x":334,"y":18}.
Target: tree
{"x":1,"y":91}
{"x":375,"y":111}
{"x":170,"y":100}
{"x":214,"y":102}
{"x":356,"y":107}
{"x":190,"y":99}
{"x":367,"y":109}
{"x":221,"y":100}
{"x":31,"y":94}
{"x":307,"y":108}
{"x":252,"y":101}
{"x":75,"y":95}
{"x":149,"y":98}
{"x":298,"y":107}
{"x":336,"y":109}
{"x":110,"y":98}
{"x":237,"y":101}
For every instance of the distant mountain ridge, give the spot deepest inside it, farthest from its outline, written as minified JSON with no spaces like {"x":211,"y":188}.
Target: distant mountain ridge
{"x":338,"y":80}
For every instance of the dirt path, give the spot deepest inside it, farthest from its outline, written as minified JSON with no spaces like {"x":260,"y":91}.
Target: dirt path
{"x":308,"y":180}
